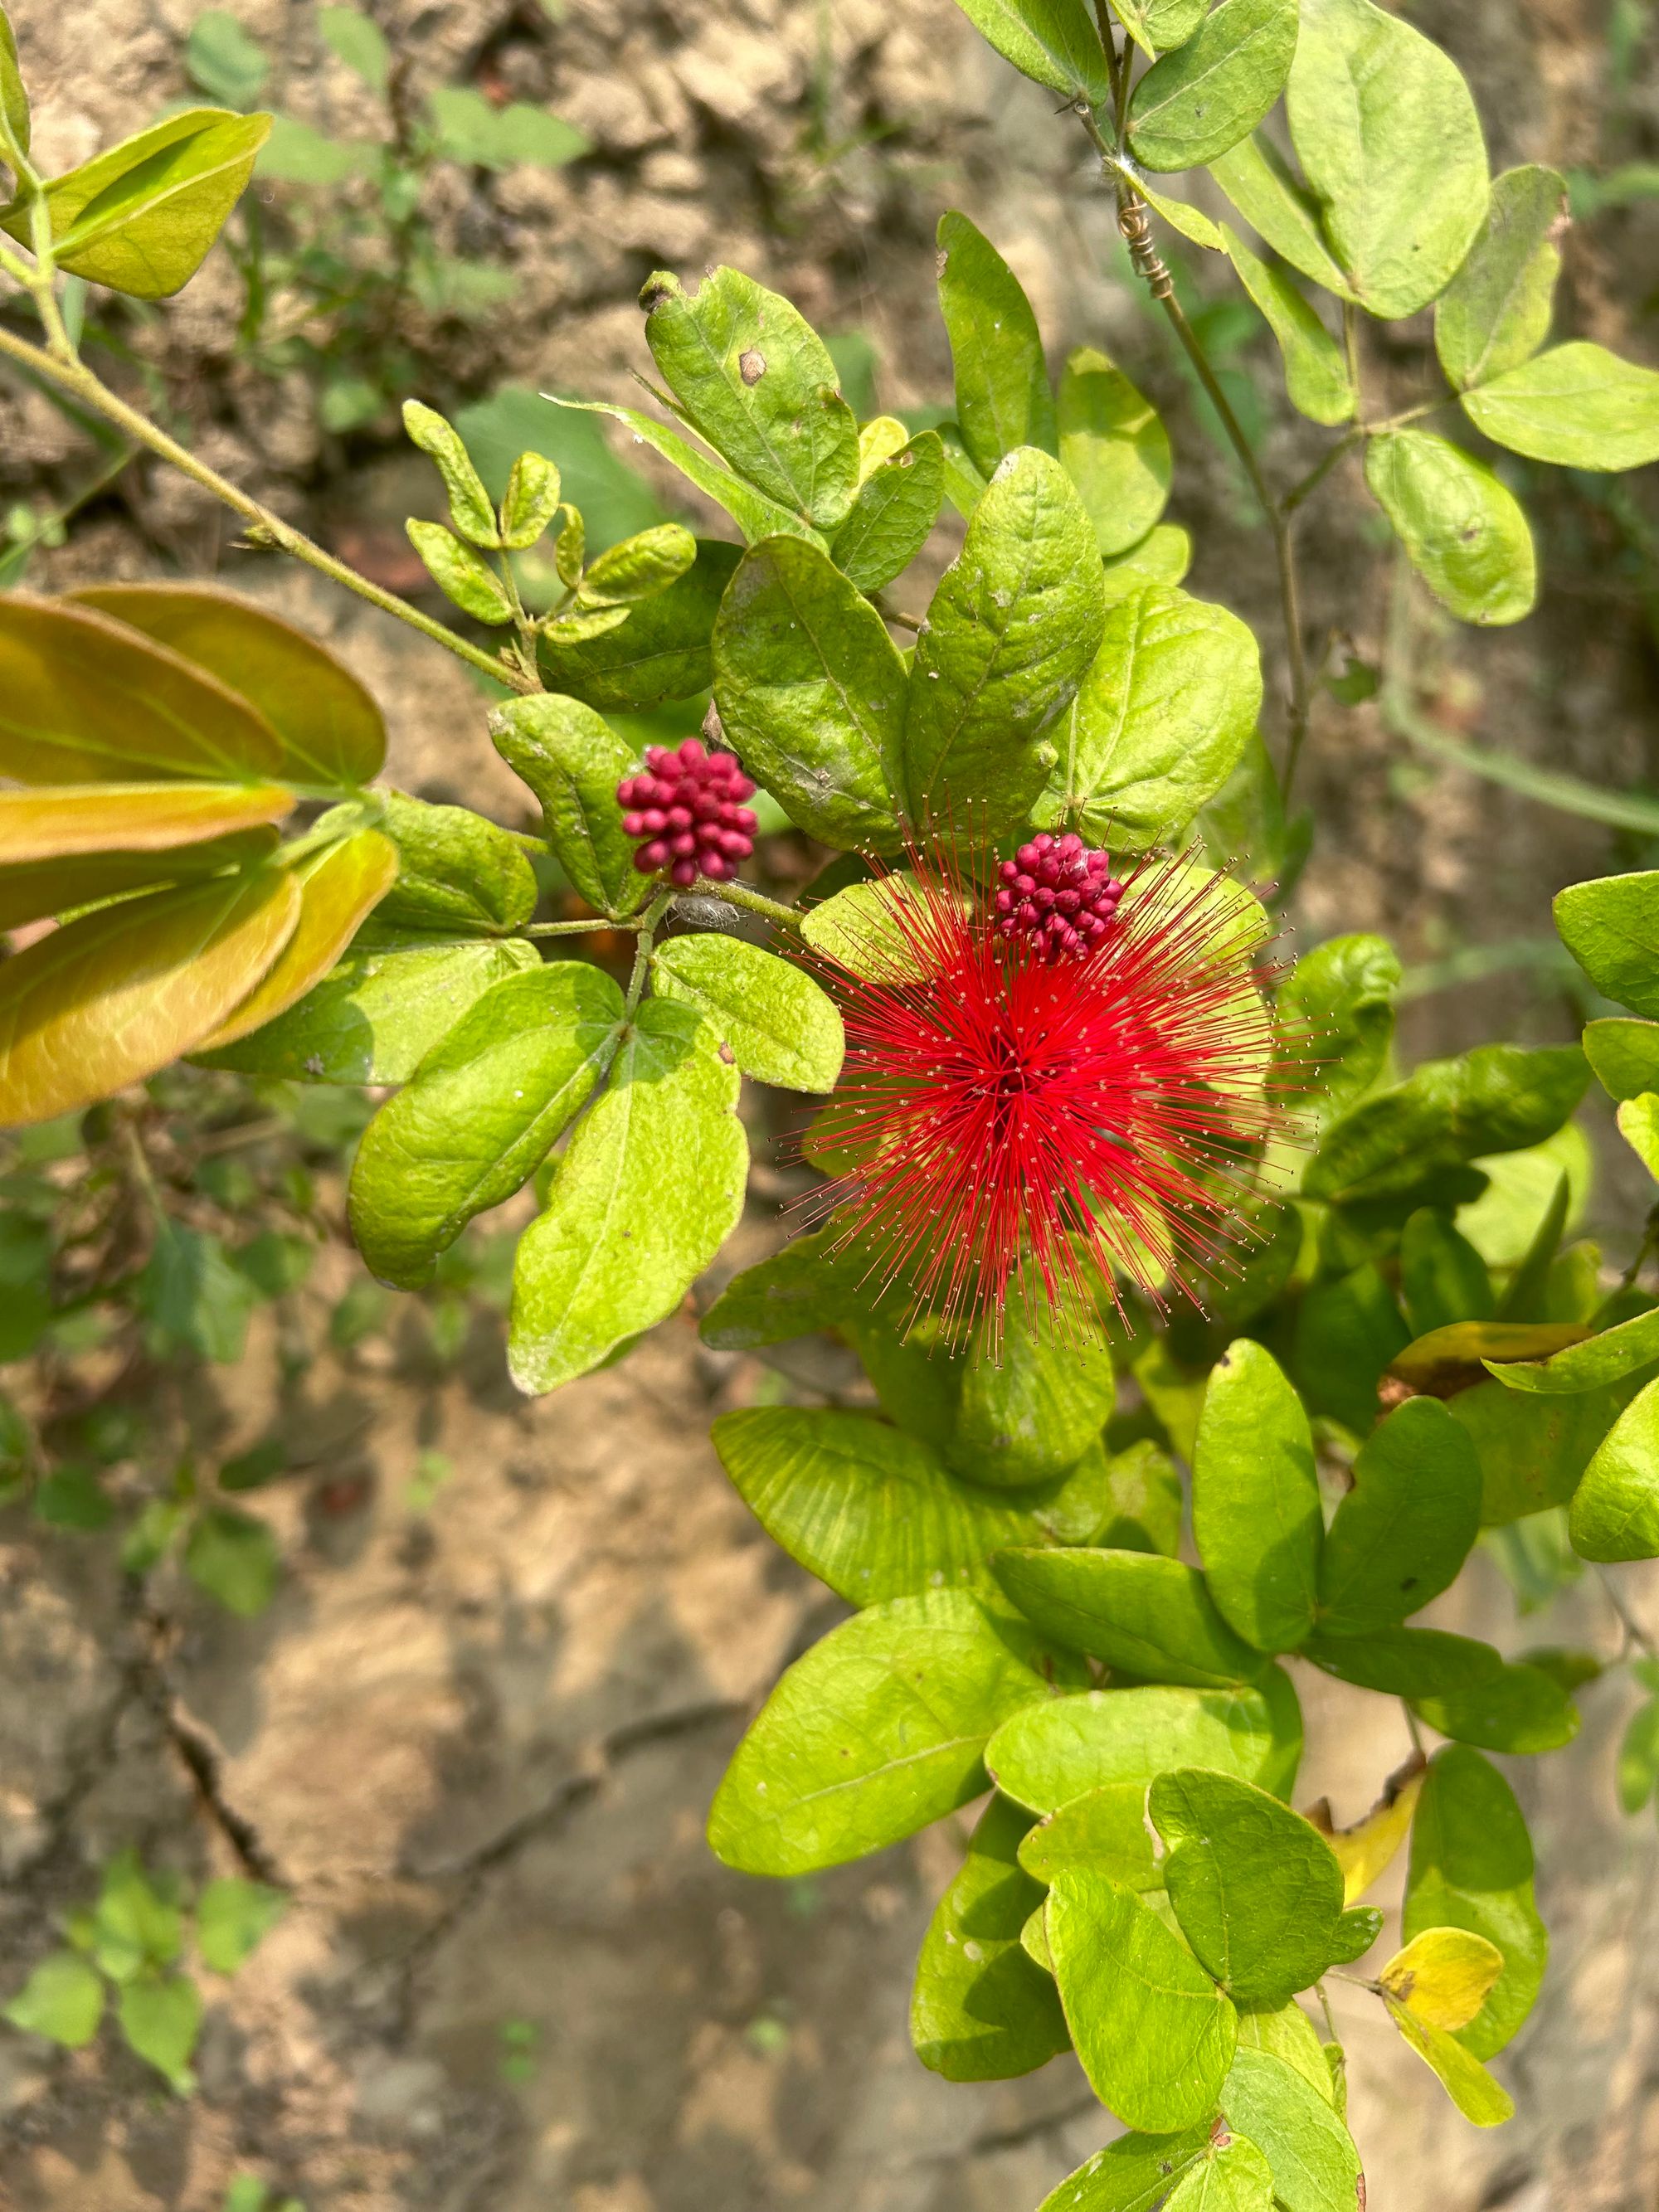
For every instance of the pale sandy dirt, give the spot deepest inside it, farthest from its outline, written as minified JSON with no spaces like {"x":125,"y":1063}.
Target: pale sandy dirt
{"x":477,"y":1743}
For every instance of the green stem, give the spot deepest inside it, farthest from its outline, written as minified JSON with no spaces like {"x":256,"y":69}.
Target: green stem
{"x":653,"y":914}
{"x":572,"y":928}
{"x":1633,"y":1632}
{"x":1316,"y":475}
{"x":74,"y":377}
{"x":753,"y":902}
{"x":525,"y":842}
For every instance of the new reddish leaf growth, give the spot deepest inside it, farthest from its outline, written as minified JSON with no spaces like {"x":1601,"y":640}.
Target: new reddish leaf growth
{"x":686,"y":805}
{"x":1050,"y":1123}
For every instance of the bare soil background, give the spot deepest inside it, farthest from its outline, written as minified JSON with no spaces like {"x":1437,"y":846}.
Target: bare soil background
{"x":477,"y":1738}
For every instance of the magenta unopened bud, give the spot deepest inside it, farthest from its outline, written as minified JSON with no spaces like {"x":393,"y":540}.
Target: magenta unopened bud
{"x":1058,"y":895}
{"x":686,"y":804}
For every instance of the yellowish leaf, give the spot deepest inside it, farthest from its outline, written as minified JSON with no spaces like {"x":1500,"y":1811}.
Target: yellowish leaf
{"x":109,"y":999}
{"x":1365,"y":1850}
{"x":86,"y":700}
{"x":33,"y":888}
{"x":131,"y":817}
{"x":330,"y":729}
{"x":337,"y":893}
{"x":1465,"y":2080}
{"x":1443,"y":1975}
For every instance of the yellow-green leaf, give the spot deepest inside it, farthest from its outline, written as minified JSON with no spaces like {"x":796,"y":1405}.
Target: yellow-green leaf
{"x":335,"y":894}
{"x":140,"y":217}
{"x":1465,"y":2080}
{"x":67,"y":820}
{"x":329,"y":729}
{"x":1463,"y":526}
{"x":86,"y":700}
{"x":1444,"y":1975}
{"x":33,"y":888}
{"x":110,"y":998}
{"x":1365,"y":1850}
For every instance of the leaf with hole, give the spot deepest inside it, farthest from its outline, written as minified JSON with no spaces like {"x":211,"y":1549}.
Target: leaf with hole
{"x":1463,"y":530}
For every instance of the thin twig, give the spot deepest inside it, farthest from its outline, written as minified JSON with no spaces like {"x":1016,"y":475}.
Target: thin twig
{"x":753,"y":902}
{"x":73,"y":376}
{"x":1631,"y":1627}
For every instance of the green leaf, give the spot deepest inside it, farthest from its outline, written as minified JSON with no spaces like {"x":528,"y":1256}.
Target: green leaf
{"x":1045,"y":1757}
{"x":755,"y":514}
{"x":647,"y":1191}
{"x":1256,"y":1514}
{"x":1533,"y":1450}
{"x":750,"y":375}
{"x":573,"y":761}
{"x":1256,"y":180}
{"x":876,"y":1731}
{"x":1144,"y":1513}
{"x":1609,"y":1358}
{"x":1336,"y":1015}
{"x":1114,"y":447}
{"x":234,"y":1558}
{"x":1003,"y":399}
{"x":529,"y":502}
{"x":1615,"y":1508}
{"x":481,"y":1114}
{"x":1638,"y":1125}
{"x":375,"y":1018}
{"x":14,"y":100}
{"x":1316,"y":374}
{"x":460,"y":574}
{"x":457,"y":870}
{"x":1157,"y":24}
{"x":867,"y":1509}
{"x":1404,"y":1662}
{"x":1155,"y":2036}
{"x":982,"y":2010}
{"x":1495,"y":313}
{"x":1576,"y":404}
{"x":1517,"y":1709}
{"x":783,"y":1027}
{"x":640,"y":567}
{"x":1105,"y":1829}
{"x":1288,"y":2034}
{"x":358,"y":41}
{"x":295,"y":153}
{"x":1140,"y":1614}
{"x":232,"y":1918}
{"x":1013,"y":626}
{"x":137,"y":1923}
{"x":1256,"y":1888}
{"x":1638,"y":1760}
{"x":1504,"y":1222}
{"x":141,"y":217}
{"x":1348,"y":1332}
{"x":1051,"y":42}
{"x":660,"y":653}
{"x":859,"y":929}
{"x":1465,"y":2080}
{"x":1402,"y":1532}
{"x":1159,"y":723}
{"x":1388,"y":140}
{"x":1036,"y":1391}
{"x":1133,"y":2174}
{"x":1213,"y":90}
{"x":1443,"y":1277}
{"x":1498,"y":1098}
{"x":1315,"y":2167}
{"x":811,"y":692}
{"x":328,"y":728}
{"x":893,"y":515}
{"x":1611,"y":927}
{"x":1463,"y":529}
{"x":160,"y":2020}
{"x":193,"y":1299}
{"x":63,"y":2000}
{"x":1471,"y":1867}
{"x":470,"y":504}
{"x":817,"y":1281}
{"x":220,"y":60}
{"x":1624,"y":1055}
{"x":1163,"y":556}
{"x":470,"y":128}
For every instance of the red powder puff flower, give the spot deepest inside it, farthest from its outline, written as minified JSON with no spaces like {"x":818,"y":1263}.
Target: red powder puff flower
{"x":1048,"y":1118}
{"x":685,"y":806}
